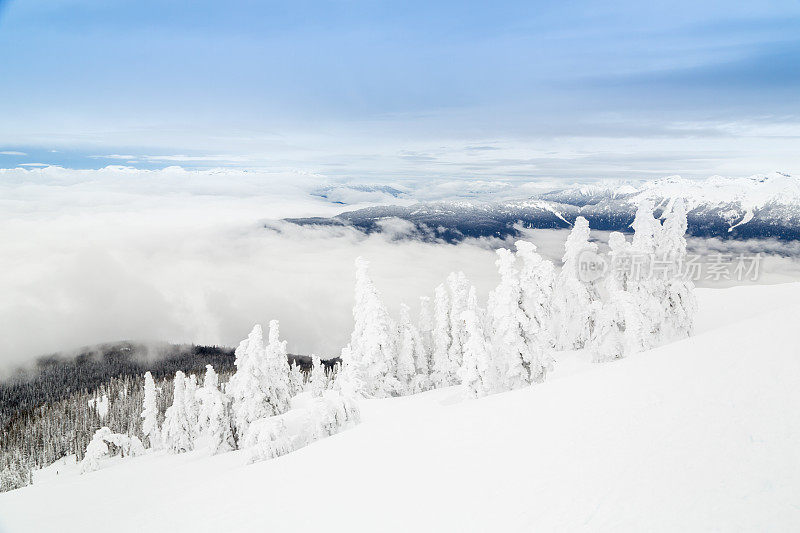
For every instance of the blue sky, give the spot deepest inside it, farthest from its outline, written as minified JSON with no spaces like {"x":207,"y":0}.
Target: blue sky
{"x":403,"y":89}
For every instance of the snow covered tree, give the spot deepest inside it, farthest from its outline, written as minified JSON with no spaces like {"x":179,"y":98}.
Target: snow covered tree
{"x":645,"y":283}
{"x":619,"y":330}
{"x":243,"y":387}
{"x":459,"y":287}
{"x":519,"y":358}
{"x":442,"y":371}
{"x":576,"y":298}
{"x":370,"y":360}
{"x":317,"y":381}
{"x":425,"y":326}
{"x":296,"y":379}
{"x":150,"y":427}
{"x":260,"y":386}
{"x":412,"y":362}
{"x":477,"y":368}
{"x":537,"y":281}
{"x":277,"y":382}
{"x":178,"y":433}
{"x":679,"y":301}
{"x":214,"y":420}
{"x":99,"y":447}
{"x":190,"y":399}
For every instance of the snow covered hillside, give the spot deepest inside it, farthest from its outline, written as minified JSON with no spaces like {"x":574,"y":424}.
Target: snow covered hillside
{"x":701,"y":434}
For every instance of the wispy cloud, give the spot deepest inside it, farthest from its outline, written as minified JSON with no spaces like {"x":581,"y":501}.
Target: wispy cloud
{"x":12,"y":152}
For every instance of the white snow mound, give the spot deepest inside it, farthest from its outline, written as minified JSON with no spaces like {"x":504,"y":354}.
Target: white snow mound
{"x":699,"y":435}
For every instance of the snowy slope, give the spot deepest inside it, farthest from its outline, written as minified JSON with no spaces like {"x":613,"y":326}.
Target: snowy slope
{"x":699,"y":435}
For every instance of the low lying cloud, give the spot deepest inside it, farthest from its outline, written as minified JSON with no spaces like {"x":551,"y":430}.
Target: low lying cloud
{"x":196,"y":256}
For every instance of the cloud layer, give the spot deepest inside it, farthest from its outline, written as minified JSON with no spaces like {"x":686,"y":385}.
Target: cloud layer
{"x":184,"y":256}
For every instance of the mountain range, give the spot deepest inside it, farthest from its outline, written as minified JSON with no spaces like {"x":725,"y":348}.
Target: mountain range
{"x":762,"y":206}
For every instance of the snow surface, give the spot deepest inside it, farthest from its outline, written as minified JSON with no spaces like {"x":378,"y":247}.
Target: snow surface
{"x":699,"y":435}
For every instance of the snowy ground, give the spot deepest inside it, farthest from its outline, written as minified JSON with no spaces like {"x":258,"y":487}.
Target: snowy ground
{"x":703,"y":434}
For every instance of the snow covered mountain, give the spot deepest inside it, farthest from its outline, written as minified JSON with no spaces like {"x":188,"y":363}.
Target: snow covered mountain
{"x":692,"y":436}
{"x":729,"y":208}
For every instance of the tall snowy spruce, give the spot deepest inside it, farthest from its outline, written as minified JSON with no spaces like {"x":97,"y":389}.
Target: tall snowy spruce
{"x":412,"y":361}
{"x":277,"y":376}
{"x":443,"y":372}
{"x":646,"y":283}
{"x":577,"y":299}
{"x":518,"y":362}
{"x":679,"y":301}
{"x":537,"y":281}
{"x":425,"y":326}
{"x":178,"y":432}
{"x":214,"y":418}
{"x":619,"y":330}
{"x":370,"y":360}
{"x":260,"y":386}
{"x":477,"y":368}
{"x":150,"y":427}
{"x":190,"y":399}
{"x":296,"y":379}
{"x":317,"y":380}
{"x":458,"y":286}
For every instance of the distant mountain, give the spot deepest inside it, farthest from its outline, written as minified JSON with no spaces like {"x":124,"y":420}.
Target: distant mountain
{"x":728,"y":208}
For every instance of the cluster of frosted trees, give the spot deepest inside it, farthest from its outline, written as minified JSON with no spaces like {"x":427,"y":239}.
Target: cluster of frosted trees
{"x":270,"y":408}
{"x":532,"y":313}
{"x":267,"y":407}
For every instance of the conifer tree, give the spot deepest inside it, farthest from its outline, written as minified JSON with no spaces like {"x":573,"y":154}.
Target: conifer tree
{"x":150,"y":427}
{"x":511,"y":353}
{"x":477,"y":369}
{"x":679,"y":300}
{"x":317,"y":381}
{"x":442,"y":372}
{"x":214,"y":417}
{"x":190,"y":399}
{"x":458,"y":287}
{"x":576,"y":299}
{"x":177,"y":430}
{"x":370,"y":360}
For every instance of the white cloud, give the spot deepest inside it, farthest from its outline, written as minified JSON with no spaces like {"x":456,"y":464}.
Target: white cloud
{"x":118,"y":253}
{"x":12,"y":152}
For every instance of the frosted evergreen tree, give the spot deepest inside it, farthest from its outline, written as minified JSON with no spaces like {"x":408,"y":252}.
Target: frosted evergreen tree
{"x":276,"y":383}
{"x":370,"y":360}
{"x":425,"y":326}
{"x":647,"y":285}
{"x":249,"y":401}
{"x":317,"y":381}
{"x":442,"y":371}
{"x":577,"y":301}
{"x":408,"y":345}
{"x":619,"y":330}
{"x":296,"y":379}
{"x":190,"y":399}
{"x":517,"y":363}
{"x":458,"y":286}
{"x":679,"y":301}
{"x":214,"y":421}
{"x":150,"y":427}
{"x":177,"y":429}
{"x":412,"y":361}
{"x":537,"y":281}
{"x":477,"y":369}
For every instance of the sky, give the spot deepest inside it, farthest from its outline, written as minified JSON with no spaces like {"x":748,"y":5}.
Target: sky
{"x":378,"y":90}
